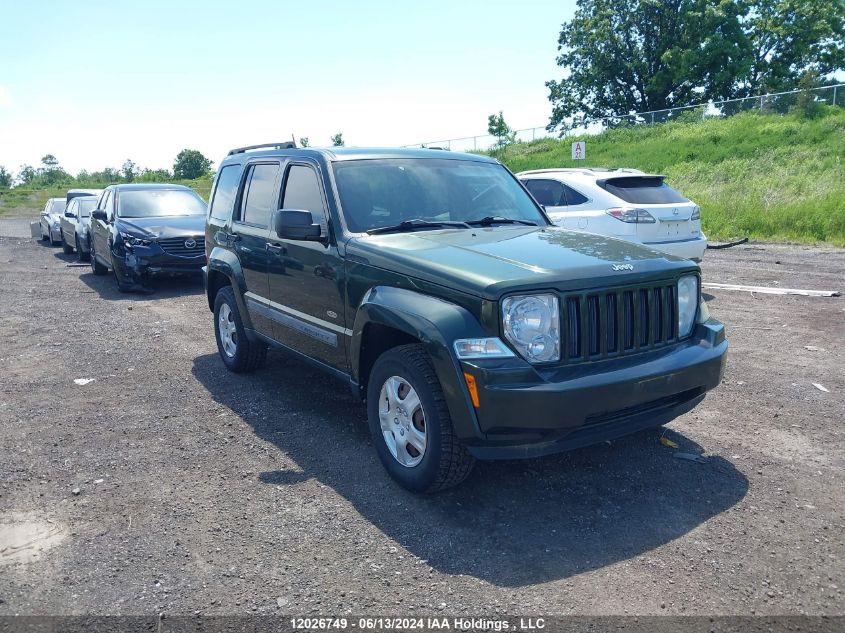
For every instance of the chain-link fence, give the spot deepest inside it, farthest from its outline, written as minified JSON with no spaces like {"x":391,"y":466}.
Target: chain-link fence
{"x":777,"y":103}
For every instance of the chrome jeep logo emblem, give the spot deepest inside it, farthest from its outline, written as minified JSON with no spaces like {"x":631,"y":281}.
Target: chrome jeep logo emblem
{"x":190,"y":243}
{"x":618,"y":267}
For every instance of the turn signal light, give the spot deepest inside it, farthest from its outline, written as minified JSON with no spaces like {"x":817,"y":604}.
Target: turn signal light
{"x":472,"y":388}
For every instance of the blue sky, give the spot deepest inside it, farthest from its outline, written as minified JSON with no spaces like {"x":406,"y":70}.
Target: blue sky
{"x":95,"y":83}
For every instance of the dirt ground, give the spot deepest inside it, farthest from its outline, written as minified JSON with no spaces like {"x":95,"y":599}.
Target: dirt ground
{"x":167,"y":484}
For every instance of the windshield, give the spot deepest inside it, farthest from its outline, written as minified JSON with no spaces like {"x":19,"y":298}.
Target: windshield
{"x":642,"y":190}
{"x":152,"y":203}
{"x":57,"y":206}
{"x":384,"y":192}
{"x":86,"y":205}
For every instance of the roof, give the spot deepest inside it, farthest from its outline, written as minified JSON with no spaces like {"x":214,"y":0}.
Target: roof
{"x":361,"y":153}
{"x":146,"y":186}
{"x":589,"y":173}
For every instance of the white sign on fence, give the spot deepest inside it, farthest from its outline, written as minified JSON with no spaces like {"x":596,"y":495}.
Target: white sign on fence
{"x":579,"y":150}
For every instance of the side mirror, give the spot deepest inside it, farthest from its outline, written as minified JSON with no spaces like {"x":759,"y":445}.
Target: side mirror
{"x":295,"y":224}
{"x":99,"y":214}
{"x":70,"y":214}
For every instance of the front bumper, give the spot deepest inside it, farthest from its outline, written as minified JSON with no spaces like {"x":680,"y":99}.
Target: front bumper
{"x":687,"y":249}
{"x":143,"y":261}
{"x":528,"y":412}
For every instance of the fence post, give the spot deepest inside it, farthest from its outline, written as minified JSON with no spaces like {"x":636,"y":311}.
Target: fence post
{"x":761,"y":103}
{"x":652,"y":118}
{"x":834,"y":95}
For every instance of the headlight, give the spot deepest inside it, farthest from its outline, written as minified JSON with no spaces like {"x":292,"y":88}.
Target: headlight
{"x":55,"y":224}
{"x":687,"y":304}
{"x":631,"y":216}
{"x":532,"y":325}
{"x":467,"y":348}
{"x":133,"y":240}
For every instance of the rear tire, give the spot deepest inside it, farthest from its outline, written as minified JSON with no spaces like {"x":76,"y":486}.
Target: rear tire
{"x":96,"y":267}
{"x":443,"y":461}
{"x":83,"y":257}
{"x":239,"y":354}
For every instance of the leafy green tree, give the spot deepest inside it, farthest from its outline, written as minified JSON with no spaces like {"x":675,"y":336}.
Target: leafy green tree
{"x":154,"y":175}
{"x":806,"y":104}
{"x":26,"y":174}
{"x":5,"y":178}
{"x":50,"y":162}
{"x":623,"y":56}
{"x":129,"y":170}
{"x":790,"y":38}
{"x":190,"y":164}
{"x":337,"y":140}
{"x":497,"y":127}
{"x":304,"y":142}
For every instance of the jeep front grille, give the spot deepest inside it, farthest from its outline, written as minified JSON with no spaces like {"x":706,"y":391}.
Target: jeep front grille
{"x":181,"y":246}
{"x":604,"y":324}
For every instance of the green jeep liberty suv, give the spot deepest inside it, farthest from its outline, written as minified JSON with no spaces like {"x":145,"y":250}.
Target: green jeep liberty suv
{"x":436,"y":287}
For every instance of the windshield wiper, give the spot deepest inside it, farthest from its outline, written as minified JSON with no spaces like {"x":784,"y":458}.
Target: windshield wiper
{"x":410,"y":225}
{"x":495,"y":219}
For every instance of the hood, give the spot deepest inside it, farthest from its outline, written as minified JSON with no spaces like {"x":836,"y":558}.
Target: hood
{"x":164,"y":227}
{"x":491,"y":261}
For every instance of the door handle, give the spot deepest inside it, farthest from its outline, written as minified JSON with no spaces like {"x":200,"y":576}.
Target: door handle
{"x":226,"y":239}
{"x":274,"y":248}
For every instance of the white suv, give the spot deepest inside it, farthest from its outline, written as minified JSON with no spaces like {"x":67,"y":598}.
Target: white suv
{"x":623,"y":203}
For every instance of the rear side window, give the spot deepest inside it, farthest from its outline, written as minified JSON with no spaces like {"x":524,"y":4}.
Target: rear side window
{"x":58,"y":206}
{"x":573,"y":197}
{"x":642,"y":190}
{"x":260,"y":194}
{"x":549,"y":193}
{"x":224,"y":194}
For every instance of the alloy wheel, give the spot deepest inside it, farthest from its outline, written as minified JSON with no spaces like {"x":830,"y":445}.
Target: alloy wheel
{"x":402,"y":421}
{"x":228,"y":330}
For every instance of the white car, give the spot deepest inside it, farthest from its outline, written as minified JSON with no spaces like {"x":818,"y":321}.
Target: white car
{"x":623,"y":203}
{"x":50,"y":217}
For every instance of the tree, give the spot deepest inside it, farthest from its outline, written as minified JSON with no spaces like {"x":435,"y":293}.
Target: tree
{"x":26,"y":174}
{"x":337,"y":140}
{"x":190,"y":164}
{"x":5,"y":178}
{"x":129,"y":170}
{"x":624,"y":56}
{"x":497,"y":127}
{"x":304,"y":142}
{"x":790,"y":38}
{"x":50,"y":162}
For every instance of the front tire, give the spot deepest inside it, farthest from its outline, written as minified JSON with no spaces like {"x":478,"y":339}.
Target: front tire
{"x":239,"y":354}
{"x":67,"y":249}
{"x":410,"y":423}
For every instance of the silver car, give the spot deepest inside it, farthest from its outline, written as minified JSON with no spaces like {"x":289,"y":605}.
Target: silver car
{"x":74,"y":225}
{"x":50,"y":220}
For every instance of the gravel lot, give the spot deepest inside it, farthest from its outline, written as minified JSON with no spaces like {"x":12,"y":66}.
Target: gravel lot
{"x":169,"y":485}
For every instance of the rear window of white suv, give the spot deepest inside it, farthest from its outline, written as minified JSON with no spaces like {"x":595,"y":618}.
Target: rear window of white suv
{"x":641,"y":190}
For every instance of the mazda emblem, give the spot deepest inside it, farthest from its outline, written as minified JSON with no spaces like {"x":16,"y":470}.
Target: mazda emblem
{"x":190,"y":243}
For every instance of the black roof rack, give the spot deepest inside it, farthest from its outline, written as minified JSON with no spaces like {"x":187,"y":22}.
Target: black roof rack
{"x":282,"y":145}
